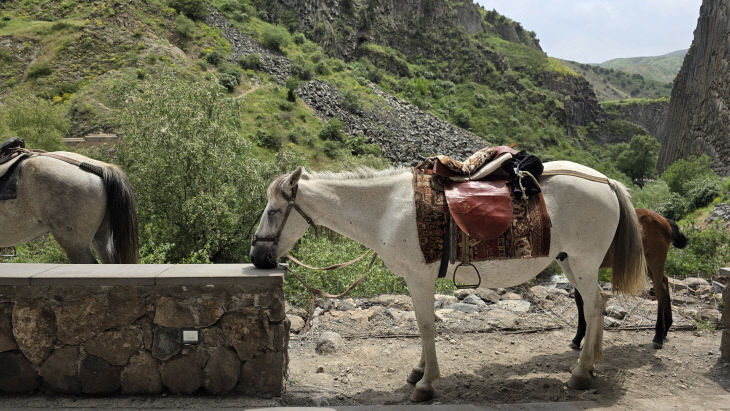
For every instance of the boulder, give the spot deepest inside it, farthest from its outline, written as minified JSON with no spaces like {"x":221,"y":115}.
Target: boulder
{"x":616,"y":311}
{"x":693,"y":283}
{"x":399,"y":302}
{"x":182,"y":375}
{"x":465,"y":308}
{"x":254,"y":382}
{"x":519,"y":306}
{"x":98,"y":376}
{"x":17,"y":374}
{"x":179,"y":313}
{"x":220,"y":374}
{"x":329,"y":342}
{"x":142,"y":375}
{"x":297,"y":323}
{"x":511,"y":296}
{"x":115,"y":346}
{"x":245,"y":334}
{"x":165,"y":343}
{"x":61,"y":370}
{"x":474,"y":299}
{"x":34,"y":330}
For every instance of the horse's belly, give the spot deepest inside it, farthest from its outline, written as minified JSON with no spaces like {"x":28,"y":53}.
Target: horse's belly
{"x":16,"y":227}
{"x":502,"y":273}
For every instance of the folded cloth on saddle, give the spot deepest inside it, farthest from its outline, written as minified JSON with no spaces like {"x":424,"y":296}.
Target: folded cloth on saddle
{"x":447,"y":167}
{"x":9,"y":148}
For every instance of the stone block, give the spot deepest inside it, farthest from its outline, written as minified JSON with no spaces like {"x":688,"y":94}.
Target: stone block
{"x":246,"y":334}
{"x":263,"y":384}
{"x":98,"y":376}
{"x":34,"y":329}
{"x":220,"y":374}
{"x":115,"y":346}
{"x":165,"y":343}
{"x":142,"y":375}
{"x":7,"y":341}
{"x":61,"y":370}
{"x":182,"y":376}
{"x":17,"y":374}
{"x":178,"y":313}
{"x":725,"y":345}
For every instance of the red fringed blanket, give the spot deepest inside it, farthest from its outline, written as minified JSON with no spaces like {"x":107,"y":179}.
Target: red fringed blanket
{"x":527,"y":237}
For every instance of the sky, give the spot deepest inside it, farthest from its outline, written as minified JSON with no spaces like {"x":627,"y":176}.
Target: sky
{"x":593,"y":31}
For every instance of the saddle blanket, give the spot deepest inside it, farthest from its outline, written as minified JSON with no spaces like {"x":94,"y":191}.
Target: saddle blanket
{"x":528,"y":235}
{"x":9,"y":173}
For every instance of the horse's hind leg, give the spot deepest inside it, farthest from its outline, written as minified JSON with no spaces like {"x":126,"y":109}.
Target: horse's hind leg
{"x":103,"y":243}
{"x":584,"y":275}
{"x":581,"y":332}
{"x":77,"y":253}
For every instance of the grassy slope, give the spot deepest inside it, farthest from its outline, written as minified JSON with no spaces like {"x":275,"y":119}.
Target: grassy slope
{"x":660,"y":68}
{"x":615,"y":84}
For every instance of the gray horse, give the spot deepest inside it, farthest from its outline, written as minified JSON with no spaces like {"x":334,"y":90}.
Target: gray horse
{"x":80,"y":208}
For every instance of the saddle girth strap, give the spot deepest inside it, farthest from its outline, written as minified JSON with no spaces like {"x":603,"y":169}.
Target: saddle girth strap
{"x":578,"y":174}
{"x":91,"y":168}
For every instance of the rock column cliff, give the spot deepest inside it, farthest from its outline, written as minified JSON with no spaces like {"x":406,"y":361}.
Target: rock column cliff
{"x":698,"y":121}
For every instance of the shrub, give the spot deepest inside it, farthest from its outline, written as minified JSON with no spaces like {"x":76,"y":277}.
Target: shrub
{"x":332,"y":130}
{"x":638,"y":158}
{"x":39,"y":70}
{"x":331,"y":149}
{"x":674,"y":207}
{"x":322,"y":68}
{"x":298,"y":38}
{"x":33,"y":119}
{"x":250,"y":61}
{"x":302,"y":70}
{"x":195,"y":9}
{"x":703,"y":190}
{"x":651,"y":195}
{"x":708,"y":250}
{"x":228,"y":81}
{"x":683,"y":171}
{"x":462,"y":118}
{"x":337,"y":65}
{"x":291,"y":88}
{"x":351,"y":102}
{"x":184,"y":26}
{"x":274,"y":38}
{"x":214,"y":57}
{"x":267,"y":139}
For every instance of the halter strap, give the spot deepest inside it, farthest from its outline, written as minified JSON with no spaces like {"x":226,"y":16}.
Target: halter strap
{"x":292,"y":204}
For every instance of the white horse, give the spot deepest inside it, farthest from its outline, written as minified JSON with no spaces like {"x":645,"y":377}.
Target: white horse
{"x":81,"y":208}
{"x":377,"y":210}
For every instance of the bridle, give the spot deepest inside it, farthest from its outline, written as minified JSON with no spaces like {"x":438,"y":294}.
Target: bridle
{"x":292,"y":204}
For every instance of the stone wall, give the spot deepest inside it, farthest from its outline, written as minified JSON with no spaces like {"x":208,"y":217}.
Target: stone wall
{"x":725,"y":321}
{"x":116,"y":336}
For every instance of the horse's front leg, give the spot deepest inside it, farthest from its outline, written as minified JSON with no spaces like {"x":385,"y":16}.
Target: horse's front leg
{"x":427,"y":370}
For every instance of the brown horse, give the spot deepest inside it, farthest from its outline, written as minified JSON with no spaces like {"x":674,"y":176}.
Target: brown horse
{"x":657,"y":233}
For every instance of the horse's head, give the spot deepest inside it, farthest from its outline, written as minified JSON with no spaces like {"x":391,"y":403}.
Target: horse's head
{"x":282,"y":222}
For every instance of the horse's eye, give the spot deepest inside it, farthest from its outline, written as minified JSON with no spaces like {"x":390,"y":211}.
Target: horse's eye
{"x":273,"y":212}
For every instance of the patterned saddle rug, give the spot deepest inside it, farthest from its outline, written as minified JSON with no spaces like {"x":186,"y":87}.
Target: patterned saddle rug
{"x":527,"y":234}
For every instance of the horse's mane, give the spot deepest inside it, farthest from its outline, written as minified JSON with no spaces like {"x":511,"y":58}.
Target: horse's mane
{"x":362,"y":173}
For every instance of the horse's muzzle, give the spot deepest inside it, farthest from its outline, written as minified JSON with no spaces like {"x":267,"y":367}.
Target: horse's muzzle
{"x":263,"y":257}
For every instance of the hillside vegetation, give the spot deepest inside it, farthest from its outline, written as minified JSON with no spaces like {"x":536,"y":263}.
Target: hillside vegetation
{"x":619,"y":84}
{"x":662,"y":68}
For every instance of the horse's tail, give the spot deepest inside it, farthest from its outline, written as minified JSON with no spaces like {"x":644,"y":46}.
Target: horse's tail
{"x":678,"y":239}
{"x":122,"y":214}
{"x":629,"y":265}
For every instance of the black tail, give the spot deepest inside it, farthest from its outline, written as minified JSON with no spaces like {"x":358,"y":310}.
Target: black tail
{"x":122,"y":212}
{"x":678,"y":239}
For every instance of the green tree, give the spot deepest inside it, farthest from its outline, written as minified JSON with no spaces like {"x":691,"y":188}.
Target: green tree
{"x":39,"y":122}
{"x":680,"y":174}
{"x":638,"y":158}
{"x":198,"y":186}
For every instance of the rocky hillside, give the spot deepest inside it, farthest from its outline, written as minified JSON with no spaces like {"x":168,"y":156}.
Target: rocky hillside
{"x":699,"y":119}
{"x":616,"y":84}
{"x":649,"y":114}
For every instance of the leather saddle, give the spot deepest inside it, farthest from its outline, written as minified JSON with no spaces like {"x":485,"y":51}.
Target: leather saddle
{"x":476,"y":190}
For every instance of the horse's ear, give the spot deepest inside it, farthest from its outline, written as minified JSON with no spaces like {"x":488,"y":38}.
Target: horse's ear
{"x":294,"y":177}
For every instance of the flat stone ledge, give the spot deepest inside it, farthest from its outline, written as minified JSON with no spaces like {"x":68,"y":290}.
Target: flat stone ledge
{"x":725,"y":271}
{"x":42,"y":275}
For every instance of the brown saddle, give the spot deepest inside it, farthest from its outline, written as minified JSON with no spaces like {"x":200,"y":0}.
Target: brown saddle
{"x":477,"y":195}
{"x":9,"y":149}
{"x":482,"y":209}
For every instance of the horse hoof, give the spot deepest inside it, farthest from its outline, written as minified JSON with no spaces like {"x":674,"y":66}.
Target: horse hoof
{"x":414,"y":376}
{"x":579,"y":383}
{"x":658,"y":345}
{"x":421,"y":394}
{"x":574,"y":346}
